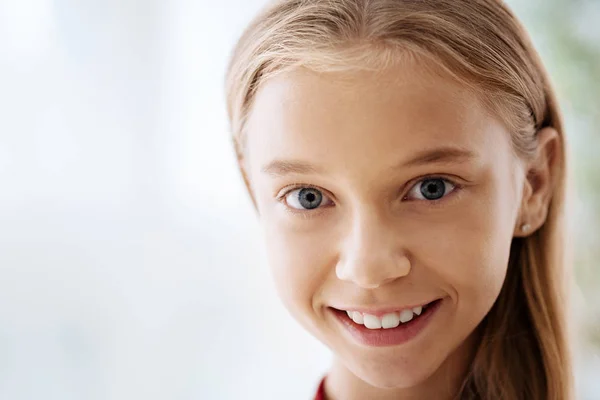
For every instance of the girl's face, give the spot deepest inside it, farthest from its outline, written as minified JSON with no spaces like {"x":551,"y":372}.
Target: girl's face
{"x":380,"y":193}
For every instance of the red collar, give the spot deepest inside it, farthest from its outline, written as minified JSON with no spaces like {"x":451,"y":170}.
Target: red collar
{"x":321,"y":391}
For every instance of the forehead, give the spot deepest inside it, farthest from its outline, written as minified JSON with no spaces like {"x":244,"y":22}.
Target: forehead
{"x":366,"y":120}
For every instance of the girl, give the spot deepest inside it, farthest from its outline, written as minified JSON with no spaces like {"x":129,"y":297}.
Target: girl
{"x":407,"y":162}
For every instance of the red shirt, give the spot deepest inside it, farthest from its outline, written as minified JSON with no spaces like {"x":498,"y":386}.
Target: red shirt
{"x":321,"y":391}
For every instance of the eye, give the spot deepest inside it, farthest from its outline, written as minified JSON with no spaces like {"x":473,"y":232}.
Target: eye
{"x":305,"y":198}
{"x":431,"y":189}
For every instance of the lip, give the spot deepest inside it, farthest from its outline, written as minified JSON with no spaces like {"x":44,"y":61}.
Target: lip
{"x":387,"y":337}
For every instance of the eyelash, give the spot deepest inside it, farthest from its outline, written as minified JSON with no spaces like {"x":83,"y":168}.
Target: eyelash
{"x":309,"y":213}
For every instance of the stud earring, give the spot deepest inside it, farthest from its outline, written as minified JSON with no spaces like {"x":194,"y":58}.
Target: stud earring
{"x":525,"y":227}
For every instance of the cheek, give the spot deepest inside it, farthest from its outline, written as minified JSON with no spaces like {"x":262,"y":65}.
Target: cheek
{"x":470,"y":253}
{"x":300,"y":260}
{"x":478,"y":261}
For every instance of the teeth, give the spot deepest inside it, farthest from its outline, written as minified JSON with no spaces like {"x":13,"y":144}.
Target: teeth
{"x":406,"y":315}
{"x":372,"y":322}
{"x":358,"y":318}
{"x":390,"y":321}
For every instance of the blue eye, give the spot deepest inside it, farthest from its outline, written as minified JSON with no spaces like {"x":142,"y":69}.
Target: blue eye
{"x":431,"y":189}
{"x":304,"y":198}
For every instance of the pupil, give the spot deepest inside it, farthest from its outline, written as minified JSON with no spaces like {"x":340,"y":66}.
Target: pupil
{"x":310,"y":198}
{"x":433,"y":189}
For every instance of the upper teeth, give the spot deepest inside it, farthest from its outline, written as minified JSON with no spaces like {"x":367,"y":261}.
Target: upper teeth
{"x":390,"y":320}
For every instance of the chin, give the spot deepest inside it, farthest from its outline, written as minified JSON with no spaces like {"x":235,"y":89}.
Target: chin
{"x":392,"y":373}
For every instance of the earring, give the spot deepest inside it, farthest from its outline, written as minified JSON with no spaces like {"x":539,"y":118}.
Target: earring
{"x":525,"y":227}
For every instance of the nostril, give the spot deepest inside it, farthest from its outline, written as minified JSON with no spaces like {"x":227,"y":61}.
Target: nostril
{"x":370,"y":274}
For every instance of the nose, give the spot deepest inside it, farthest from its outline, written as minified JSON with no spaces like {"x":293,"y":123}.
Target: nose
{"x":372,"y":253}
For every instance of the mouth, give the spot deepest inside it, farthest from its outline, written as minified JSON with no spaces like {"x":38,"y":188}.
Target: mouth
{"x":389,"y":328}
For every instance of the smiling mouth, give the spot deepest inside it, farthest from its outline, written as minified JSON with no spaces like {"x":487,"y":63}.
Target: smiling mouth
{"x":388,"y":320}
{"x":387,"y":329}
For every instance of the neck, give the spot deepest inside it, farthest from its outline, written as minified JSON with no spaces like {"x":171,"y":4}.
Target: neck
{"x":444,"y":384}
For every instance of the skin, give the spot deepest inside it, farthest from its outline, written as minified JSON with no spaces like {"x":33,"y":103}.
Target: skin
{"x":375,"y":241}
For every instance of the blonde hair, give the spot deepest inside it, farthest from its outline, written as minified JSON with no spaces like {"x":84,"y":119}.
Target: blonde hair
{"x":524,"y":351}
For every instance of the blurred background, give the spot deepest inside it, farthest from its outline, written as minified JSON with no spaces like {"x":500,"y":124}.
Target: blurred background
{"x":131,"y":265}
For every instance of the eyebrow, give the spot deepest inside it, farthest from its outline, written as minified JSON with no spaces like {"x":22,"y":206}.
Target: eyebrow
{"x":439,"y":155}
{"x":287,"y":167}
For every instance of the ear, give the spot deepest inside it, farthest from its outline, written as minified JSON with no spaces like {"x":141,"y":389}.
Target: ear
{"x":539,"y":183}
